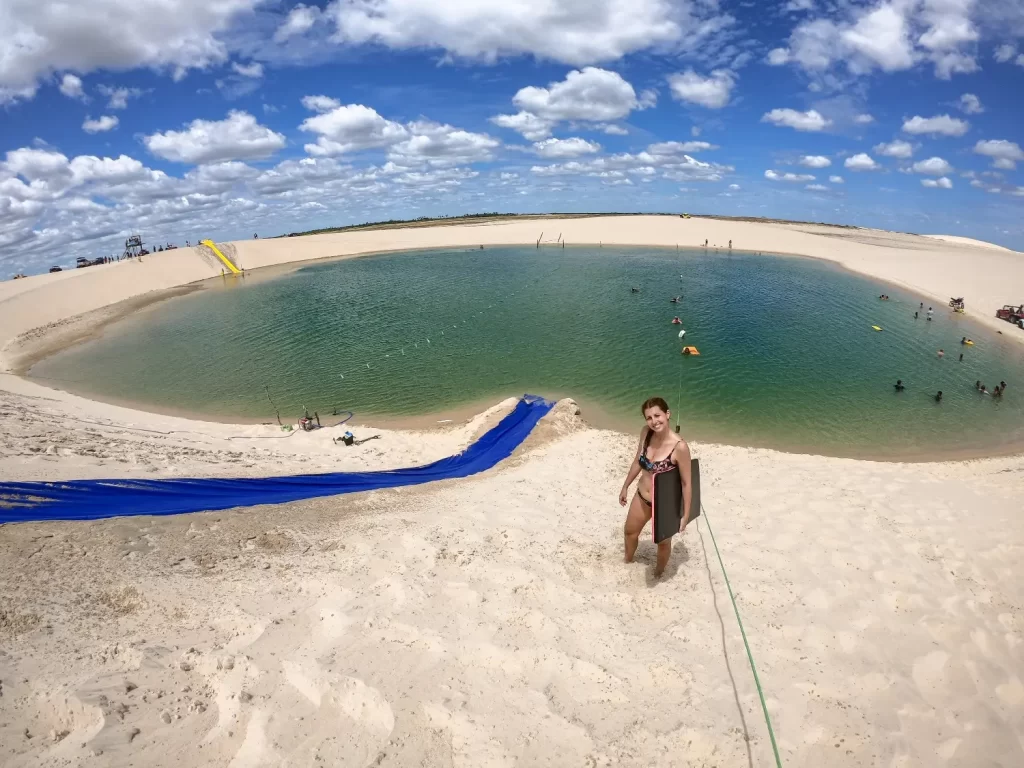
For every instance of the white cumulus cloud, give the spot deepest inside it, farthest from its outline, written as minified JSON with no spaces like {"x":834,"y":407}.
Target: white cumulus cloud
{"x":101,"y":124}
{"x":589,"y":94}
{"x":253,"y":69}
{"x":794,"y":178}
{"x":320,"y":103}
{"x":970,"y":104}
{"x":1005,"y":52}
{"x":679,"y":147}
{"x":942,"y":183}
{"x":933,"y":166}
{"x":239,"y":136}
{"x":812,"y":120}
{"x":861,"y":162}
{"x":836,"y":179}
{"x":815,"y":161}
{"x":891,"y":36}
{"x":1005,"y":154}
{"x":531,"y":127}
{"x":897,"y":148}
{"x":559,"y":148}
{"x":300,"y":20}
{"x":71,"y":86}
{"x":439,"y":144}
{"x":40,"y":38}
{"x":940,"y":125}
{"x":348,"y":128}
{"x":817,"y":187}
{"x":712,"y":92}
{"x":118,"y":97}
{"x":577,"y":33}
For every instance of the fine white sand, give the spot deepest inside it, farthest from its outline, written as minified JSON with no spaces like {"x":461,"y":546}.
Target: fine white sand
{"x":968,"y":241}
{"x":490,"y":621}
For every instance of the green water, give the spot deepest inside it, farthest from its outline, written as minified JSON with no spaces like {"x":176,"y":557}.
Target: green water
{"x":788,"y":357}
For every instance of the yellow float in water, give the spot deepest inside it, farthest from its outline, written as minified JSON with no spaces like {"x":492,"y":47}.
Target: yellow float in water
{"x":876,"y":327}
{"x":969,"y":343}
{"x":691,"y":351}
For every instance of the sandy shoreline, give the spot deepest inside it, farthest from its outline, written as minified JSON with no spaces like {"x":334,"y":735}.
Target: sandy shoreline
{"x":490,"y":621}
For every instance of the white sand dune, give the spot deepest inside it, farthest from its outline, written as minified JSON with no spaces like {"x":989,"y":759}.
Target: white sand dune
{"x":970,"y":241}
{"x":490,"y":621}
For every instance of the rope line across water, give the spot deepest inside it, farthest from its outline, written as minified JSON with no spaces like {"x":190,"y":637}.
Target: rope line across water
{"x":750,"y":656}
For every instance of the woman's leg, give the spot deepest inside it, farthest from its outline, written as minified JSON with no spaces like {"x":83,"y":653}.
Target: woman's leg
{"x":637,"y":517}
{"x":664,"y":553}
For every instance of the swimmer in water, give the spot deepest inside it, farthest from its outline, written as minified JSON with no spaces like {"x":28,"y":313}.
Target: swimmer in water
{"x":938,"y":396}
{"x":899,"y":385}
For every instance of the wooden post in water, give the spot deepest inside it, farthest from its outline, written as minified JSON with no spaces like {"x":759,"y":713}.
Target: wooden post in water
{"x":539,"y":239}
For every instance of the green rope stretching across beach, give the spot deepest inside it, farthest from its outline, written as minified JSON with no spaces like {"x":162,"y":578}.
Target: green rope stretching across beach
{"x":750,"y":657}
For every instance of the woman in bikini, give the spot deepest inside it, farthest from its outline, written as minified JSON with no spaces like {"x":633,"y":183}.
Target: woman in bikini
{"x":659,"y":449}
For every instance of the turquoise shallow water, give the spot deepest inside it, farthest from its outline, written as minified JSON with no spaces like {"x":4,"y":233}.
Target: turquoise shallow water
{"x":788,"y":357}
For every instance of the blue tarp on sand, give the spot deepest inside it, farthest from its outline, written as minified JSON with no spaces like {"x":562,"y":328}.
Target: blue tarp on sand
{"x":93,"y":499}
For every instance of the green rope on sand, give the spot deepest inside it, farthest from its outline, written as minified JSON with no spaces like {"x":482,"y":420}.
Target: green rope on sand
{"x":750,"y":657}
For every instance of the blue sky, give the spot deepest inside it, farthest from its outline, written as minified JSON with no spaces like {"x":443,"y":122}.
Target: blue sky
{"x":183,"y":119}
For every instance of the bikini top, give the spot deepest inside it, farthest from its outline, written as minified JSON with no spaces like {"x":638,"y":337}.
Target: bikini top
{"x":654,"y":466}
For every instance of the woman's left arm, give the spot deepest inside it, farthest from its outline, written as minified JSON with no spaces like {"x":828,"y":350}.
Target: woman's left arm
{"x":682,"y":457}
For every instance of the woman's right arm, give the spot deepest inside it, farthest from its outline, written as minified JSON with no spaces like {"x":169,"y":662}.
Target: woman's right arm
{"x":634,"y":468}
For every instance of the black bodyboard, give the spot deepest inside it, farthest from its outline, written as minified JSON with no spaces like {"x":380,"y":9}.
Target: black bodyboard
{"x":667,"y":500}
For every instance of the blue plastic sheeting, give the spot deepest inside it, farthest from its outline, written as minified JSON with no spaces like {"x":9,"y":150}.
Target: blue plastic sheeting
{"x":93,"y":499}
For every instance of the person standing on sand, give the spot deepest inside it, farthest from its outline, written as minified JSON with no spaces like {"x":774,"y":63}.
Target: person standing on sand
{"x":656,"y":440}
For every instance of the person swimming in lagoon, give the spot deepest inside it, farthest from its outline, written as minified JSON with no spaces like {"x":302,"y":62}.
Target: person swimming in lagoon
{"x":899,"y":385}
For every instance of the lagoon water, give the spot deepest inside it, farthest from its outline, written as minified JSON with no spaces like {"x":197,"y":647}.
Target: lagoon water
{"x":788,"y":358}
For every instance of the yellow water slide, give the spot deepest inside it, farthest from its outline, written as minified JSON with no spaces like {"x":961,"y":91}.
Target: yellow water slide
{"x":216,"y":251}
